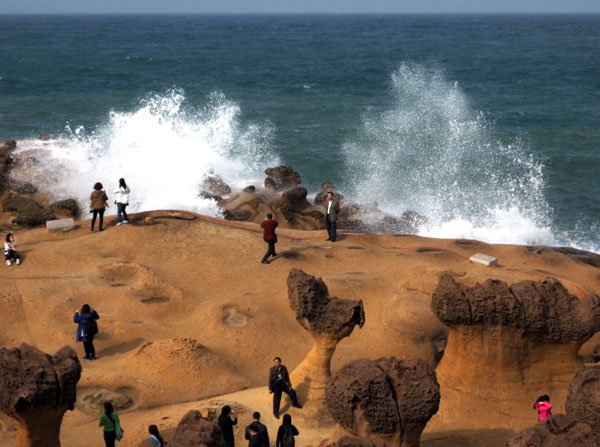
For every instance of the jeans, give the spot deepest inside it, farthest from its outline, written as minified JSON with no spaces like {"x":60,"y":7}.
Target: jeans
{"x":88,"y":347}
{"x":11,"y":254}
{"x":97,"y":212}
{"x":109,"y":438}
{"x":271,"y":250}
{"x":121,"y":211}
{"x":331,"y":230}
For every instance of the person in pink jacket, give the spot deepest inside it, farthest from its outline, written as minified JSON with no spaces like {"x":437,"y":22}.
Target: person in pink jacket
{"x":543,"y":406}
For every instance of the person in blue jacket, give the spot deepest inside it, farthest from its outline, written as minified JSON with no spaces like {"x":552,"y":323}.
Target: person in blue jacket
{"x":87,"y":328}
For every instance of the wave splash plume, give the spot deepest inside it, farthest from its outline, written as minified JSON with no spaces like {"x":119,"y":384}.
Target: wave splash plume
{"x":162,"y":149}
{"x":428,"y":152}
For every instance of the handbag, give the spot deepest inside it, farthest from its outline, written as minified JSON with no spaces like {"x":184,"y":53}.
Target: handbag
{"x":118,"y":429}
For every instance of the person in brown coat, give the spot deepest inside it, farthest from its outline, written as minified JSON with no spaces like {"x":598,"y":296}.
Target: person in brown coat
{"x":99,"y":201}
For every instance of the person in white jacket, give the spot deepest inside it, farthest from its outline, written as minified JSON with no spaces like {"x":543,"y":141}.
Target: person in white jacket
{"x":122,"y":200}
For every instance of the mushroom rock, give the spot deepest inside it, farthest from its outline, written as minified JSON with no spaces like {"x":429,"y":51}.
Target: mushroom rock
{"x":321,"y":196}
{"x":195,"y":431}
{"x":328,"y":319}
{"x":36,"y":389}
{"x":583,"y":401}
{"x":298,"y":211}
{"x":506,"y":346}
{"x":281,"y":177}
{"x":557,"y":431}
{"x":382,"y":402}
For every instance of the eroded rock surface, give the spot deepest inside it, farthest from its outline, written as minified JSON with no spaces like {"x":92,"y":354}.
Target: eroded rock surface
{"x":29,"y":212}
{"x":558,"y":431}
{"x":583,"y":401}
{"x":281,"y":177}
{"x":195,"y":431}
{"x":520,"y":341}
{"x":387,"y":400}
{"x":69,"y":206}
{"x":36,"y":389}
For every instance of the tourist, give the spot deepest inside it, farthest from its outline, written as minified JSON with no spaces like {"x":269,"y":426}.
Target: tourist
{"x":86,"y":317}
{"x":268,"y":225}
{"x":10,"y":250}
{"x":99,"y":201}
{"x":110,"y":421}
{"x":286,"y":433}
{"x":262,"y":435}
{"x":227,"y":420}
{"x":155,"y":439}
{"x":279,"y":382}
{"x":543,"y":406}
{"x":122,"y":201}
{"x":333,"y":208}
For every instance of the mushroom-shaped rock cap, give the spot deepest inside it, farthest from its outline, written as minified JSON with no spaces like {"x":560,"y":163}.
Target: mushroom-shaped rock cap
{"x":557,"y":431}
{"x":316,"y":311}
{"x":195,"y":431}
{"x":544,"y":310}
{"x":31,"y":379}
{"x":387,"y":393}
{"x":583,"y":401}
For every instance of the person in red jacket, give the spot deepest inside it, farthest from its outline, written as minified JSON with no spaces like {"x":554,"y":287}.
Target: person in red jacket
{"x":268,"y":225}
{"x":543,"y":406}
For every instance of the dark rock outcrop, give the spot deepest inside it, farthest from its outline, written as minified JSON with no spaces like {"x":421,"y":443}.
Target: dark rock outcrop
{"x":521,"y":340}
{"x":68,"y":205}
{"x":327,"y":187}
{"x":6,"y":161}
{"x":557,"y":431}
{"x":239,"y":215}
{"x":213,"y":187}
{"x":281,"y":177}
{"x":329,"y":320}
{"x":36,"y":389}
{"x":22,"y":187}
{"x":295,"y":209}
{"x":583,"y":400}
{"x":45,"y":137}
{"x":249,"y":188}
{"x":195,"y":431}
{"x":387,"y":400}
{"x":29,"y":212}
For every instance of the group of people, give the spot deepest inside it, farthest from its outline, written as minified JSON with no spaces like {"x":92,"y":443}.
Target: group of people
{"x":99,"y":203}
{"x":269,"y":224}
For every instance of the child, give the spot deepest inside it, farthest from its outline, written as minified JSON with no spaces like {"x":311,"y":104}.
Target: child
{"x":10,"y":251}
{"x":544,"y":407}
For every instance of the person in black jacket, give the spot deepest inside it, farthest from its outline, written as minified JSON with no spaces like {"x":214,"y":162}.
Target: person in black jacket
{"x":286,"y":433}
{"x":226,"y":421}
{"x":261,"y":433}
{"x":279,"y":382}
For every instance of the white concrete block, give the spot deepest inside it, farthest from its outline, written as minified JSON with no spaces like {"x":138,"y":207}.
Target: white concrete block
{"x":60,"y":224}
{"x":484,"y":259}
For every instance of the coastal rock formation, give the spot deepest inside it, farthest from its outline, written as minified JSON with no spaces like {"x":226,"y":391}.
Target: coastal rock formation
{"x":195,"y":431}
{"x":328,"y":319}
{"x":29,"y":212}
{"x":515,"y":342}
{"x":327,"y":187}
{"x":295,"y":209}
{"x":383,"y":402}
{"x":583,"y":401}
{"x":558,"y":431}
{"x":68,"y":206}
{"x":36,"y":389}
{"x":22,"y":187}
{"x":281,"y":177}
{"x":6,"y":161}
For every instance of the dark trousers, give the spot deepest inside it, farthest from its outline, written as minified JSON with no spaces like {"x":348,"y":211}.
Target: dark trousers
{"x":331,"y":230}
{"x":121,"y":211}
{"x":11,"y":254}
{"x":88,"y":347}
{"x":271,"y":250}
{"x":109,"y":438}
{"x":95,"y":213}
{"x":278,"y":388}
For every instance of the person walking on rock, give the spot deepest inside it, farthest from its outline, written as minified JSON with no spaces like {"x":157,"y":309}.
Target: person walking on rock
{"x":268,"y":225}
{"x":99,"y":201}
{"x":10,"y":250}
{"x":279,"y":382}
{"x":333,"y":209}
{"x":86,"y":318}
{"x":286,"y":433}
{"x":543,"y":406}
{"x":226,"y":421}
{"x":260,"y":430}
{"x":156,"y":439}
{"x":122,"y":201}
{"x":109,"y":420}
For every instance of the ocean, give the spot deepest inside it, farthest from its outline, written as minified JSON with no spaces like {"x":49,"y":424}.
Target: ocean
{"x":489,"y":125}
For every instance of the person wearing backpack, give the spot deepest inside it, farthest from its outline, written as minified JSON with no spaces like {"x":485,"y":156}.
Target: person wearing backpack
{"x":286,"y":433}
{"x":86,"y":318}
{"x":112,"y":426}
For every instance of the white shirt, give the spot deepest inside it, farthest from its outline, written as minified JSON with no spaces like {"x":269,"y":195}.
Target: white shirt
{"x":329,"y":205}
{"x":122,"y":195}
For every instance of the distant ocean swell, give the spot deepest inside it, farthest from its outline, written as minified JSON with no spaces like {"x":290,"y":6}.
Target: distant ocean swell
{"x":429,"y":152}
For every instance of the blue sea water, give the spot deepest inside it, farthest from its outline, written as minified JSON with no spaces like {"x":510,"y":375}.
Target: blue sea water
{"x":489,"y":125}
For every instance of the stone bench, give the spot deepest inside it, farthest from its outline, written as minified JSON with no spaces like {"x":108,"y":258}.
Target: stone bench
{"x":484,"y":259}
{"x":60,"y":224}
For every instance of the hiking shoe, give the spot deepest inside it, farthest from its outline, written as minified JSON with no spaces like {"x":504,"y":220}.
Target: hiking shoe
{"x":118,"y":223}
{"x":296,"y":405}
{"x":18,"y":261}
{"x":125,"y":221}
{"x":264,"y":261}
{"x":274,"y":254}
{"x":8,"y":262}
